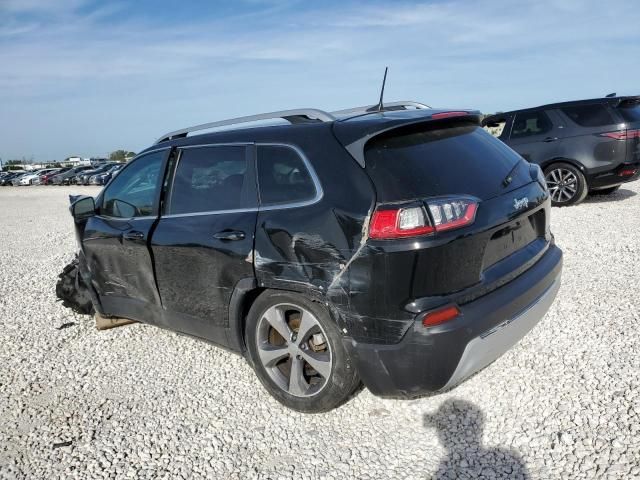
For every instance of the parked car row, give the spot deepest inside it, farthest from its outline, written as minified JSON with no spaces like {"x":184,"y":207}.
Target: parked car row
{"x":83,"y":175}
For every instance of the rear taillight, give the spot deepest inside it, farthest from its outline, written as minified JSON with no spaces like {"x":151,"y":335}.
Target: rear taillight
{"x":448,"y":214}
{"x":400,"y":222}
{"x":622,"y":134}
{"x":536,"y":174}
{"x":439,"y":215}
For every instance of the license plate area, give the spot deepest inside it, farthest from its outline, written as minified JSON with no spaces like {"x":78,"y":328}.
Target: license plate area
{"x":514,"y":236}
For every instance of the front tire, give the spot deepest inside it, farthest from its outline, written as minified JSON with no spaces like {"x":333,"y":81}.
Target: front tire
{"x":296,"y":350}
{"x":567,"y":185}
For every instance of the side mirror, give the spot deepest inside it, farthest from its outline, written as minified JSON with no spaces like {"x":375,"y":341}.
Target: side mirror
{"x":83,"y":208}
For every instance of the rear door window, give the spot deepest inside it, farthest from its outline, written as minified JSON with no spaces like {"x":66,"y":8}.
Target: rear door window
{"x":283,"y":176}
{"x":596,"y":115}
{"x":209,"y":179}
{"x":528,"y":124}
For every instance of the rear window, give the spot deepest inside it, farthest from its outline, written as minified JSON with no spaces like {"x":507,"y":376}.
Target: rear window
{"x":419,"y":162}
{"x":590,"y":115}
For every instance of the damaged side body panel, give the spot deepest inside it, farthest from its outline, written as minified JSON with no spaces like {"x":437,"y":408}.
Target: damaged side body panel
{"x":321,"y":250}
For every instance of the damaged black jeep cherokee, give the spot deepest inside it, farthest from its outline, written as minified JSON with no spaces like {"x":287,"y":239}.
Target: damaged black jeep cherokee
{"x":404,"y":248}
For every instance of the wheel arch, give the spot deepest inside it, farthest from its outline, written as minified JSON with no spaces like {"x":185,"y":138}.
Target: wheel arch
{"x":245,"y":293}
{"x":571,"y":161}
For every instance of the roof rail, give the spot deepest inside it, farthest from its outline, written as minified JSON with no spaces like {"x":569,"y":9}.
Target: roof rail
{"x":301,"y":115}
{"x":389,"y":105}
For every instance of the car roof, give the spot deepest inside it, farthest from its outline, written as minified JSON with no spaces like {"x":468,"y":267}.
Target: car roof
{"x":352,"y":126}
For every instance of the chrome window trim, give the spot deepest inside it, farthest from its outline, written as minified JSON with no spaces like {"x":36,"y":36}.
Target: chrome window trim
{"x":227,"y":144}
{"x":314,"y":178}
{"x":142,"y":154}
{"x":212,"y":212}
{"x":127,"y":219}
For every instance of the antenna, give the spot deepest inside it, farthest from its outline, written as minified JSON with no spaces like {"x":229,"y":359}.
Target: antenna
{"x":384,"y":81}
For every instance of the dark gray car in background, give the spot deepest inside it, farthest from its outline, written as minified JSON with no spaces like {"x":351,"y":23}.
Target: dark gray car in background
{"x":582,"y":146}
{"x":65,"y":178}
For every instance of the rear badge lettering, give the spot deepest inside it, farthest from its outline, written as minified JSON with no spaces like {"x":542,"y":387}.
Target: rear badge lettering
{"x":519,"y":203}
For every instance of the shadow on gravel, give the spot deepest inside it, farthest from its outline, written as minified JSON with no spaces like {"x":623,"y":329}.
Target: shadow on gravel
{"x":618,"y":196}
{"x":459,"y":426}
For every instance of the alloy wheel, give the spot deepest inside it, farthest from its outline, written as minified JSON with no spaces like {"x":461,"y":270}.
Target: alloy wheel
{"x":293,"y":349}
{"x":562,"y":184}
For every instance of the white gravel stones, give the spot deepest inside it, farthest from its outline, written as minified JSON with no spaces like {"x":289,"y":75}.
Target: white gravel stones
{"x":140,"y":402}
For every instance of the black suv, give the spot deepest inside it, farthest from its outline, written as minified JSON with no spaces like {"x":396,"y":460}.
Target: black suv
{"x":588,"y":145}
{"x":406,"y":249}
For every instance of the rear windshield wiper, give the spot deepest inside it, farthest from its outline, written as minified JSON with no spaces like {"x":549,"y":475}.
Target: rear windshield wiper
{"x":509,"y":178}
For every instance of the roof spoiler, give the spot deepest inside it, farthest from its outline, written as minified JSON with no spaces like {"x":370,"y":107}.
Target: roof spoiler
{"x":356,"y":146}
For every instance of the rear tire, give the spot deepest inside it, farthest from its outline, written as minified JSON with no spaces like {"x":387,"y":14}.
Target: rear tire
{"x":605,"y":191}
{"x":296,"y":350}
{"x":567,"y":185}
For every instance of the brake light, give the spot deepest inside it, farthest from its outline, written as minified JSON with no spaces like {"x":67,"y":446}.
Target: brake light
{"x":440,"y":316}
{"x":446,"y":214}
{"x":622,"y":134}
{"x":436,"y":116}
{"x":399,"y":223}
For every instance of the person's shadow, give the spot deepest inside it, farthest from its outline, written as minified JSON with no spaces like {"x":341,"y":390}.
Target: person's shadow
{"x":459,"y":426}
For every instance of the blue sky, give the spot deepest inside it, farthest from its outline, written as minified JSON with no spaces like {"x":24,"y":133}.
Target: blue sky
{"x":81,"y":77}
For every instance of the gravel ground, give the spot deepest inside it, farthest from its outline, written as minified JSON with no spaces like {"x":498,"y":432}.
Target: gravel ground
{"x":141,"y":402}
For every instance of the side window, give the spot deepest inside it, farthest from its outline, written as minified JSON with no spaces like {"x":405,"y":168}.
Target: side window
{"x":283,"y":176}
{"x":530,"y":123}
{"x":590,"y":115}
{"x":133,"y":191}
{"x":208,"y":179}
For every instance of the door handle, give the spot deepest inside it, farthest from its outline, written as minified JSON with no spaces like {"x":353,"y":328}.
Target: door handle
{"x":229,"y":235}
{"x":133,"y":235}
{"x":550,"y":139}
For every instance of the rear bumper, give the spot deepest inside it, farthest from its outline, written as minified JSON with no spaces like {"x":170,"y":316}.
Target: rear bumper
{"x":434,"y":359}
{"x":613,"y":177}
{"x":483,"y":350}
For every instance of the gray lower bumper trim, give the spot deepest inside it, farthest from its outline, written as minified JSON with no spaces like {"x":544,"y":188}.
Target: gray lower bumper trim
{"x":489,"y":346}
